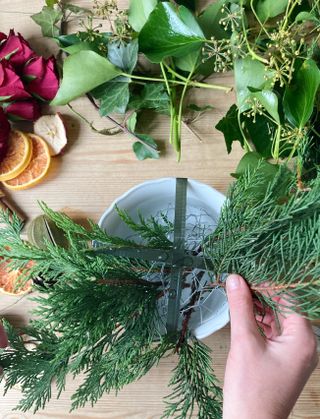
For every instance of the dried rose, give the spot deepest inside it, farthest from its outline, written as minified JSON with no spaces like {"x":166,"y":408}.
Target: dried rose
{"x":17,"y":49}
{"x":44,"y":80}
{"x":24,"y":109}
{"x":11,"y":87}
{"x":4,"y":134}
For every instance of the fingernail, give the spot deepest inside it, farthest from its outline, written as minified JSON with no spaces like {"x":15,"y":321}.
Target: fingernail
{"x":233,"y":282}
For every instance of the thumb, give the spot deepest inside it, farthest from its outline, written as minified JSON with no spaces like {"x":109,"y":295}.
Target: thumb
{"x":241,"y":307}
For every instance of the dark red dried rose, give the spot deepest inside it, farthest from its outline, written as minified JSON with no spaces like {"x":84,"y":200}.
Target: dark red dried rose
{"x":17,"y":49}
{"x":24,"y":109}
{"x":11,"y":87}
{"x":44,"y":82}
{"x":4,"y":134}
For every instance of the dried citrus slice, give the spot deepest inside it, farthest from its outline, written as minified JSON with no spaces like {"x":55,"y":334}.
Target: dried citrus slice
{"x":36,"y":169}
{"x":9,"y":278}
{"x":17,"y":157}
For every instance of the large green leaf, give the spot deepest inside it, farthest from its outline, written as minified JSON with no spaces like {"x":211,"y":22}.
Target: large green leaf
{"x":299,"y":96}
{"x":229,"y":126}
{"x":123,"y":55}
{"x":249,"y":73}
{"x":139,"y":11}
{"x":83,"y":72}
{"x":165,"y":34}
{"x":115,"y":98}
{"x":47,"y":19}
{"x":270,"y":8}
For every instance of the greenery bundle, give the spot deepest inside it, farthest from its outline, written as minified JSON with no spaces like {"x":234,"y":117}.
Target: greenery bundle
{"x":156,"y":51}
{"x":97,"y":313}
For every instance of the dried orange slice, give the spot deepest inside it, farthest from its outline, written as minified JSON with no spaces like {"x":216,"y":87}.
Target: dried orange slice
{"x":9,"y":278}
{"x":18,"y":156}
{"x":36,"y":169}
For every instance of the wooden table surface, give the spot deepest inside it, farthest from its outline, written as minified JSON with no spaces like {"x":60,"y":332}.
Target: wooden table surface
{"x":92,"y":172}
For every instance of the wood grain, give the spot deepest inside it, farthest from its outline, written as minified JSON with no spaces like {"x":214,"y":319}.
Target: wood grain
{"x":92,"y":172}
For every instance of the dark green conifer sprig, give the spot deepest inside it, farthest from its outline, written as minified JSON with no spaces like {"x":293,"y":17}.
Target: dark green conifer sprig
{"x":97,"y":314}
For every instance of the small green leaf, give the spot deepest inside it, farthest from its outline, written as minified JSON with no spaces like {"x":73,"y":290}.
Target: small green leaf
{"x":115,"y":98}
{"x":190,"y":4}
{"x":249,"y":73}
{"x":76,"y":9}
{"x":146,"y":149}
{"x":209,"y":21}
{"x":153,"y":96}
{"x":229,"y":126}
{"x":269,"y":100}
{"x":123,"y":55}
{"x":139,"y":11}
{"x":47,"y":19}
{"x":83,"y":72}
{"x":51,"y":3}
{"x":299,"y":96}
{"x":306,"y":16}
{"x":132,"y":122}
{"x":267,"y":9}
{"x":196,"y":108}
{"x":260,"y":133}
{"x":165,"y":34}
{"x":4,"y":98}
{"x":80,"y":46}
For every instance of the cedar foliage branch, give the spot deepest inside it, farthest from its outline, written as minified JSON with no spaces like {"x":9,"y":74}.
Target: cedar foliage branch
{"x":96,"y":313}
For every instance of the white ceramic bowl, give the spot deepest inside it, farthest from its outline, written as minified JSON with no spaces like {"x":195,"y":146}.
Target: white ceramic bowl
{"x":203,"y":207}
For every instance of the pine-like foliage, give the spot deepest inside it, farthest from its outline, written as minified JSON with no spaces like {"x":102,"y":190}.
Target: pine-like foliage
{"x":97,"y":314}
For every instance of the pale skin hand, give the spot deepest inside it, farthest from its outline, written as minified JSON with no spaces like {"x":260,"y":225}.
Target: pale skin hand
{"x":264,"y":375}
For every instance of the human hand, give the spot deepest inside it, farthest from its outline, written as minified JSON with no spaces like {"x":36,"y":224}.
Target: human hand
{"x":264,"y":375}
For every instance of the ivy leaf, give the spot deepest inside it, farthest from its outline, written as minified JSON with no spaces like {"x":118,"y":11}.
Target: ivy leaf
{"x":51,"y":3}
{"x":115,"y":98}
{"x":123,"y":55}
{"x":77,"y":9}
{"x":139,"y":12}
{"x":83,"y":72}
{"x":47,"y":19}
{"x":306,"y":16}
{"x":269,"y":100}
{"x":189,"y":61}
{"x":267,"y":9}
{"x":165,"y":34}
{"x":153,"y":96}
{"x":229,"y":126}
{"x":253,"y":160}
{"x":249,"y":73}
{"x":190,"y":4}
{"x":132,"y":122}
{"x":209,"y":21}
{"x":299,"y":96}
{"x":260,"y":133}
{"x":80,"y":46}
{"x":146,"y":149}
{"x":196,"y":108}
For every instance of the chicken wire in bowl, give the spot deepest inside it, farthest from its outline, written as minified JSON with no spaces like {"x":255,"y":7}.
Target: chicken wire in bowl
{"x":156,"y":198}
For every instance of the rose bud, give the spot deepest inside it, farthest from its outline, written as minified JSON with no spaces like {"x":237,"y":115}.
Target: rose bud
{"x":11,"y":87}
{"x":44,"y":80}
{"x":4,"y":134}
{"x":17,"y":49}
{"x":25,"y":109}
